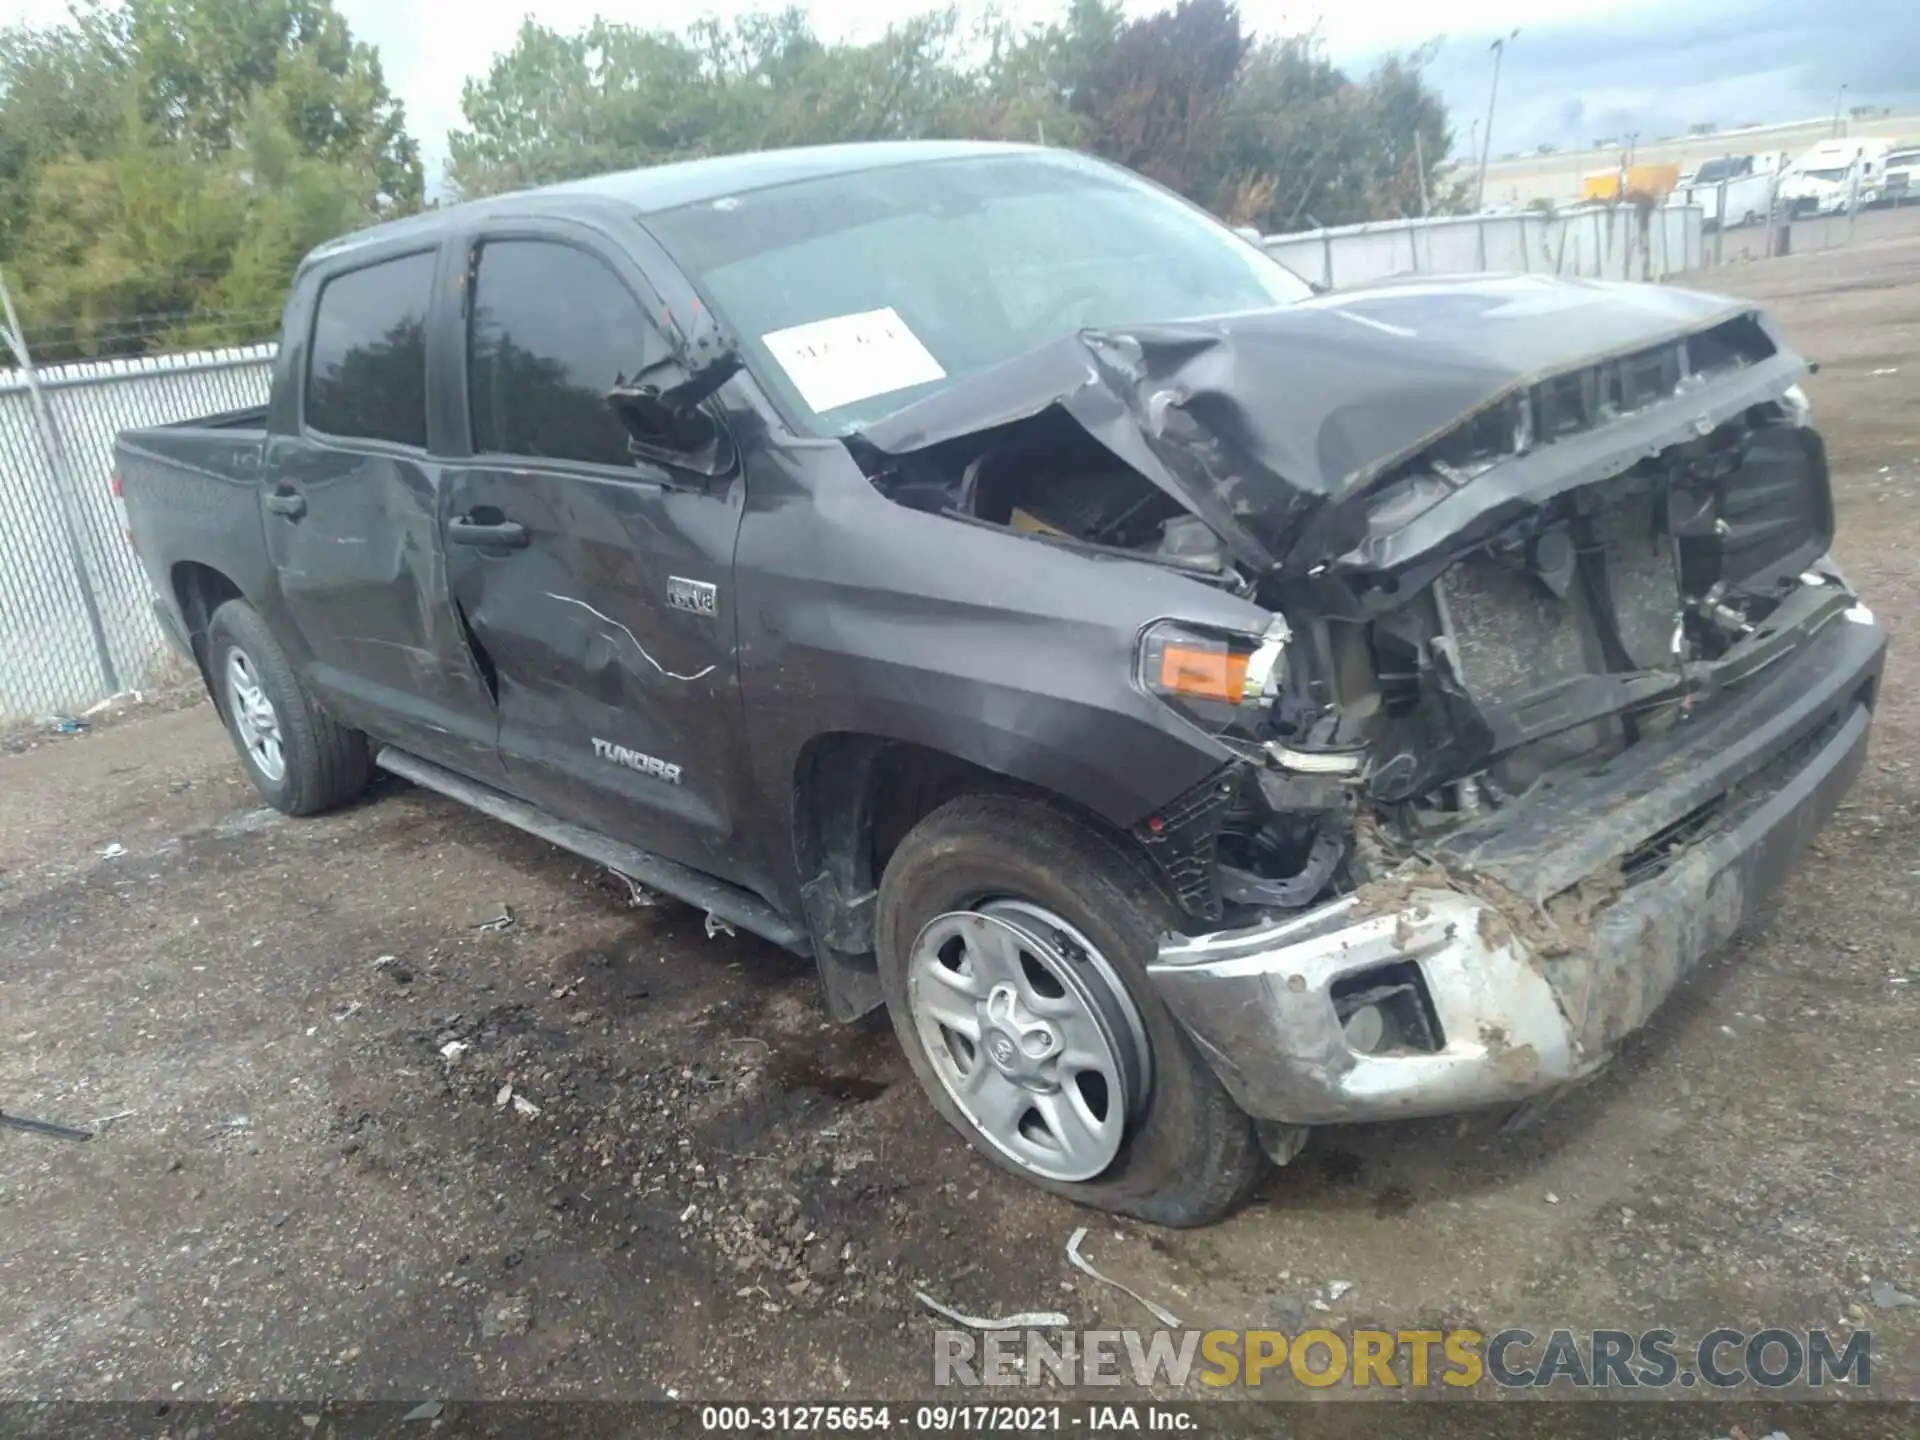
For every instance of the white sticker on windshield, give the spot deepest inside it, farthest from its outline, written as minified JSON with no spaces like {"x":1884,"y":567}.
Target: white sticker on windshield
{"x":852,"y":357}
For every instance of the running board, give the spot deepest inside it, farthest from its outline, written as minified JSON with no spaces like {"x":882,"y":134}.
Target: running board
{"x":727,"y":902}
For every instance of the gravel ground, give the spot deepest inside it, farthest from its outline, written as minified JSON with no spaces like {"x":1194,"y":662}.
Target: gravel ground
{"x":652,"y":1167}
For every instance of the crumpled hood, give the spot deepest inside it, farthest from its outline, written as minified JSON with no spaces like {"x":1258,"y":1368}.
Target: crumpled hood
{"x":1259,"y":421}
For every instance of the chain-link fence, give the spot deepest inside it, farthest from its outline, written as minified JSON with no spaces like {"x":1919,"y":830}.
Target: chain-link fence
{"x":64,"y":556}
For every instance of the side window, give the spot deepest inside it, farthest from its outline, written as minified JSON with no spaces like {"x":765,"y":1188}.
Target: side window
{"x":367,"y":362}
{"x":552,"y":329}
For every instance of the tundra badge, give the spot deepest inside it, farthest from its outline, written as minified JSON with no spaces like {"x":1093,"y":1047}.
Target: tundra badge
{"x":699,"y":596}
{"x":634,"y":760}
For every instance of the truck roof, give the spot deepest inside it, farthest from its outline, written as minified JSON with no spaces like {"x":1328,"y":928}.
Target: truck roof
{"x":1846,"y":147}
{"x":683,"y":182}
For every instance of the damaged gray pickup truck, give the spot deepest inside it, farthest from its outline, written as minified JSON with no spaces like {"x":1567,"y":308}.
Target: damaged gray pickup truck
{"x":1198,"y":710}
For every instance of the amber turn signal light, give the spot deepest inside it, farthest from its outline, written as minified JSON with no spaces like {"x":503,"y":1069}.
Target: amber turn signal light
{"x":1203,"y":672}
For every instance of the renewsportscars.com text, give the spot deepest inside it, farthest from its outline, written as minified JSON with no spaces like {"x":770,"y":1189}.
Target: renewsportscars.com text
{"x":1459,"y":1359}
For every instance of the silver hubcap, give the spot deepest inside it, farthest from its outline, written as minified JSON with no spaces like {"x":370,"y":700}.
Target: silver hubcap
{"x":1031,"y":1033}
{"x":254,"y":719}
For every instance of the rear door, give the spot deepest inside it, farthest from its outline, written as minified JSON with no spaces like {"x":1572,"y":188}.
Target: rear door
{"x":351,"y":499}
{"x":596,"y":585}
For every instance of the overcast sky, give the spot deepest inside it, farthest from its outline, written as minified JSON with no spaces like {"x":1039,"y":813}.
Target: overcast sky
{"x":1579,"y":70}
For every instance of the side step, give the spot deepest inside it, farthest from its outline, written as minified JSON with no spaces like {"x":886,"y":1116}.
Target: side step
{"x":728,"y":902}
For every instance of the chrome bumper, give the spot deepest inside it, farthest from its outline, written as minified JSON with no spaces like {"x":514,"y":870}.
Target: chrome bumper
{"x":1260,"y":1004}
{"x":1514,"y":1022}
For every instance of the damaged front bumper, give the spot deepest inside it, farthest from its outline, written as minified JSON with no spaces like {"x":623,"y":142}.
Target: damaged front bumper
{"x":1545,"y":936}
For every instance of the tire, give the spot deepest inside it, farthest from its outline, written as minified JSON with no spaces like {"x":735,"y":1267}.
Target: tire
{"x":323,"y":764}
{"x":1189,"y":1156}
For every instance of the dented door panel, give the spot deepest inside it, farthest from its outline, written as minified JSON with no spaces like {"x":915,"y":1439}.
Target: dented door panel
{"x":597,"y":673}
{"x":363,"y":576}
{"x":618,"y":699}
{"x":349,"y":499}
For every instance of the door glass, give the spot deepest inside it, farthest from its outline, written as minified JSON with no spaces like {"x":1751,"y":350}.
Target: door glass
{"x":367,"y":363}
{"x":553,"y":330}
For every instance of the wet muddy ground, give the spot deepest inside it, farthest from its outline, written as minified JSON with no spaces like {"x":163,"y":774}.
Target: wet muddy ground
{"x":367,"y":1146}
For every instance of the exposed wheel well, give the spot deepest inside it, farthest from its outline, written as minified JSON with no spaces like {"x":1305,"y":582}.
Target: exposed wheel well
{"x":200,"y":590}
{"x":855,"y":798}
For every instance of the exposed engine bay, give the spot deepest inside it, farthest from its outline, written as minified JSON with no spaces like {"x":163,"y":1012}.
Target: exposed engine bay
{"x":1596,"y":590}
{"x":1047,"y":477}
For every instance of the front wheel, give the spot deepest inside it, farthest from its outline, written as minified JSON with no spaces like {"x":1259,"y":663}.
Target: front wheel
{"x":1013,"y":945}
{"x":300,"y":759}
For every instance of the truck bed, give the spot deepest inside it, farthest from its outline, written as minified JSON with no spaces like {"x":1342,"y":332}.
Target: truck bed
{"x":191,"y":496}
{"x":226,"y":446}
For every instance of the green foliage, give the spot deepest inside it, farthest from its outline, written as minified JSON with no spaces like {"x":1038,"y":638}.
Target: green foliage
{"x":1159,"y":95}
{"x":613,"y":97}
{"x":201,"y":64}
{"x":165,"y":164}
{"x":61,"y":93}
{"x":1264,"y":132}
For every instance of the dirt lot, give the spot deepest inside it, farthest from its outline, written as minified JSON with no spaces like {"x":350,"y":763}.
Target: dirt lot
{"x":723,"y":1194}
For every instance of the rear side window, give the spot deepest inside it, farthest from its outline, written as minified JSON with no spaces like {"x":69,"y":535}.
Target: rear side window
{"x":552,"y":330}
{"x":367,"y":363}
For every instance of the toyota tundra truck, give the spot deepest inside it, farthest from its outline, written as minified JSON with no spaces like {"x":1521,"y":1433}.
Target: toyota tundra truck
{"x":1195,"y":708}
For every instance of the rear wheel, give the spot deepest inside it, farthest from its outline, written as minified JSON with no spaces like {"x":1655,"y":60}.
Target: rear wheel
{"x":300,"y":759}
{"x":1013,"y":943}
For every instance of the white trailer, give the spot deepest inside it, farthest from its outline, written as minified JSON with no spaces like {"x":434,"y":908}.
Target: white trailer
{"x":1733,"y":189}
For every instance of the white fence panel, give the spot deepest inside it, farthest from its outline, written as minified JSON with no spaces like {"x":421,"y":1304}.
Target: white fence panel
{"x":1599,"y":244}
{"x":48,"y":662}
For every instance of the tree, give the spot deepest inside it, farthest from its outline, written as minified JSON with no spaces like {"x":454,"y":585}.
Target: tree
{"x":294,"y":201}
{"x":124,"y":246}
{"x":1159,"y":95}
{"x":61,"y":93}
{"x":201,"y":63}
{"x":555,"y":106}
{"x":613,"y":97}
{"x":1034,"y":85}
{"x":165,"y":164}
{"x":1304,"y":144}
{"x":1403,"y":129}
{"x":1268,"y":133}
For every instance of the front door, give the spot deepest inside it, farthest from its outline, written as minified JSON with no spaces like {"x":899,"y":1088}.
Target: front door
{"x":596,"y":586}
{"x":351,"y":501}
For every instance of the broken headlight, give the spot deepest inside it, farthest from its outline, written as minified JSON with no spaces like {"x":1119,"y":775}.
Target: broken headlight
{"x":1220,"y":680}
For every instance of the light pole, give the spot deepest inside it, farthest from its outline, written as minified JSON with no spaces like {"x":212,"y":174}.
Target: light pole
{"x":1499,"y":49}
{"x":1838,"y":96}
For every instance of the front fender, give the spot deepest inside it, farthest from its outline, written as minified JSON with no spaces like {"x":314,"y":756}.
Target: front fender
{"x":856,"y":614}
